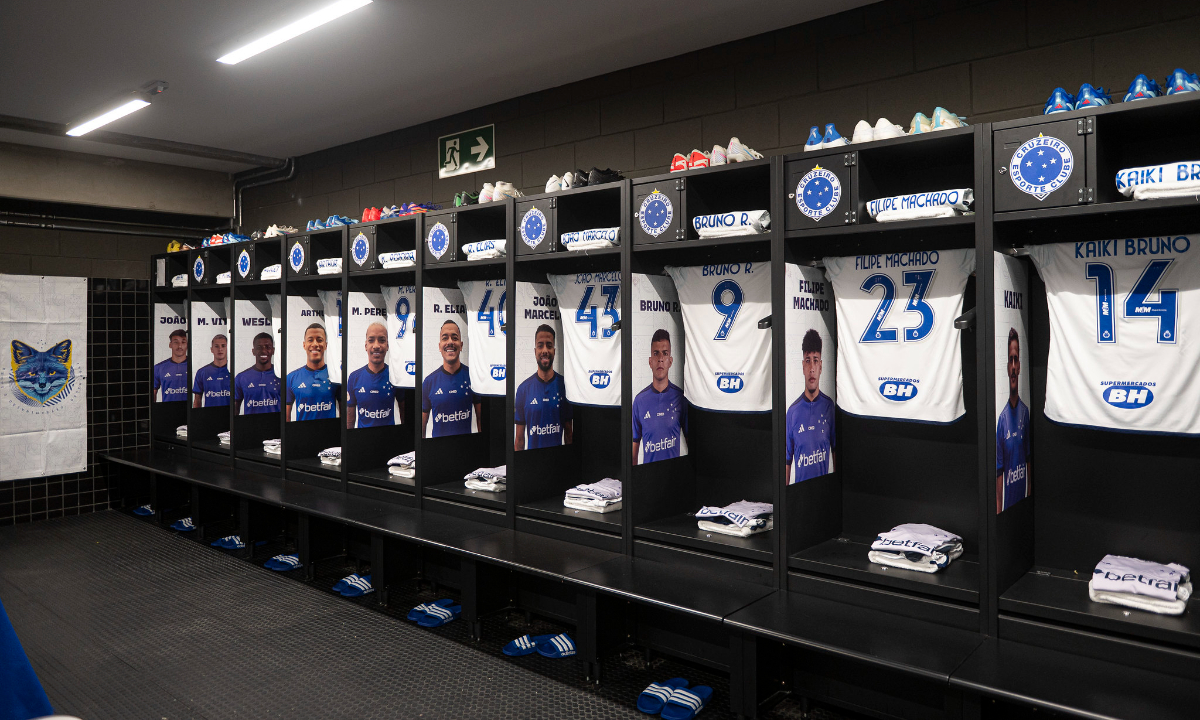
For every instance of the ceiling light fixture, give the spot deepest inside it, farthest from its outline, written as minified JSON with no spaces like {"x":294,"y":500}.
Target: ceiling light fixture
{"x":102,"y":120}
{"x":301,"y":26}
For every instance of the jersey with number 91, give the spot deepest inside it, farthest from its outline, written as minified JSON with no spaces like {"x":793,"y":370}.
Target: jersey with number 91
{"x":590,"y":304}
{"x":485,"y":302}
{"x":1124,"y":336}
{"x":898,"y":349}
{"x":728,"y":366}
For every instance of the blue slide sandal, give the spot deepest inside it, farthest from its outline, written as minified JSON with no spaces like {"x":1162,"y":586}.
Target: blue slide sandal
{"x":422,"y":610}
{"x":653,"y":698}
{"x":437,"y":615}
{"x":525,"y":645}
{"x":685,"y":704}
{"x":556,"y":646}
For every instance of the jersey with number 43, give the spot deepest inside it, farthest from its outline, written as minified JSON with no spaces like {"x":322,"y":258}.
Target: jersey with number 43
{"x":485,"y":301}
{"x":590,"y":304}
{"x":728,"y":366}
{"x":898,"y":349}
{"x":1124,"y":334}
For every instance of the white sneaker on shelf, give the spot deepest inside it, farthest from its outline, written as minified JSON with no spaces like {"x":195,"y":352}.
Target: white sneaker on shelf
{"x":943,"y":119}
{"x":505,"y":190}
{"x":885,"y":130}
{"x":920,"y":124}
{"x":485,"y":193}
{"x":568,"y":180}
{"x":737,"y":152}
{"x":863,"y":132}
{"x":718,"y":155}
{"x":554,"y":184}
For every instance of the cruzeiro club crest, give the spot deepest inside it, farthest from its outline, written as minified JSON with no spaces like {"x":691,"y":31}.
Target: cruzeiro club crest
{"x":296,"y":256}
{"x":655,"y":214}
{"x":42,"y":378}
{"x":198,"y":269}
{"x":818,"y":193}
{"x":533,"y":227}
{"x":244,"y":263}
{"x":1041,"y":166}
{"x":359,"y":249}
{"x":438,"y":240}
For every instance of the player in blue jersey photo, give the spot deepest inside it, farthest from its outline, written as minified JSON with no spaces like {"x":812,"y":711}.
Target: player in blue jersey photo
{"x":170,"y":375}
{"x":309,"y":389}
{"x":211,"y":386}
{"x":1012,"y":436}
{"x":543,"y":414}
{"x":446,"y":394}
{"x":256,"y":389}
{"x":370,"y":397}
{"x":659,"y":411}
{"x":811,"y":440}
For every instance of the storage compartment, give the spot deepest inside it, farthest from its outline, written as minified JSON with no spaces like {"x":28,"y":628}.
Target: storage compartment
{"x":1040,"y":165}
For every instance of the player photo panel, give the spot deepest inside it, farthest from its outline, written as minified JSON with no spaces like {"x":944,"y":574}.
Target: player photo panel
{"x":899,"y":354}
{"x":331,"y":303}
{"x":591,"y":307}
{"x":448,"y":404}
{"x":1124,"y":346}
{"x":170,"y":376}
{"x":310,"y":390}
{"x":256,"y":379}
{"x":728,"y":365}
{"x":1013,"y":428}
{"x":371,"y":398}
{"x":400,"y":301}
{"x":486,"y":307}
{"x":209,"y":339}
{"x":659,"y":406}
{"x":810,"y":444}
{"x":543,"y":416}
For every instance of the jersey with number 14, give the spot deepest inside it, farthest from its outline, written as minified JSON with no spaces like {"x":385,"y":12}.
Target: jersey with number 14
{"x":485,"y":302}
{"x":728,"y":366}
{"x":590,"y":304}
{"x":898,"y":349}
{"x":1124,"y":333}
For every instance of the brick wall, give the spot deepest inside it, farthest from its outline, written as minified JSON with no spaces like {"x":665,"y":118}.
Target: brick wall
{"x":985,"y":60}
{"x":34,"y":251}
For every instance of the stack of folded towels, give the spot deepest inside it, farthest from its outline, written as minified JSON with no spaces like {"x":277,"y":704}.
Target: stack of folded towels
{"x":922,"y":206}
{"x":591,"y":239}
{"x":484,"y":249}
{"x":1141,"y":584}
{"x":271,"y":272}
{"x":742,"y":518}
{"x":273,"y":447}
{"x":329,"y":266}
{"x":223,"y":438}
{"x":331,"y":456}
{"x":404,"y":465}
{"x":393,"y":260}
{"x":598,"y":497}
{"x":489,"y":479}
{"x":181,"y":432}
{"x":746,"y":222}
{"x":224,"y":278}
{"x":179,"y":280}
{"x":1177,"y":179}
{"x":914,"y":546}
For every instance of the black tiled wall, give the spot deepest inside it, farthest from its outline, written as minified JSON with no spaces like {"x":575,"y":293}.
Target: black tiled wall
{"x":118,"y":405}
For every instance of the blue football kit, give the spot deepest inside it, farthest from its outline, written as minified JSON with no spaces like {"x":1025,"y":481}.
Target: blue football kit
{"x":258,"y":390}
{"x":449,"y":400}
{"x":660,"y":422}
{"x":311,"y":393}
{"x":810,"y":437}
{"x":372,"y":397}
{"x":171,"y":378}
{"x":1012,"y":453}
{"x":212,"y":383}
{"x":543,"y":409}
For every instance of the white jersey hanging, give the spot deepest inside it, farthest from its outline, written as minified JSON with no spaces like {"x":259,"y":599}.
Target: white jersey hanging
{"x":400,"y":301}
{"x":590,"y":304}
{"x":331,"y":300}
{"x":728,"y":366}
{"x":485,"y":301}
{"x":898,"y":349}
{"x":1124,"y":337}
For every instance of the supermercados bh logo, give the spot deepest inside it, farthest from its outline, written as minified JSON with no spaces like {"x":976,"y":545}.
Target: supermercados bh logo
{"x":438,"y":240}
{"x":898,"y":389}
{"x":42,"y":378}
{"x":296,"y":256}
{"x":655,"y":214}
{"x":243,"y":263}
{"x":1041,"y":166}
{"x":533,"y":227}
{"x":818,"y":193}
{"x":359,"y":249}
{"x":1127,"y":395}
{"x":198,"y":269}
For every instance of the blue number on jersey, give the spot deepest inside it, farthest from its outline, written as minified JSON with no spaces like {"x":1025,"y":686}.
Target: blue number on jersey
{"x":491,"y":314}
{"x":1166,"y":308}
{"x":920,"y":281}
{"x":403,"y":309}
{"x":875,"y":332}
{"x":729,"y":310}
{"x":1105,"y":325}
{"x":586,"y":312}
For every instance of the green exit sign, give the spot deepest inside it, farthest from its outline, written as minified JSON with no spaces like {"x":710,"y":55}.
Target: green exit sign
{"x":467,"y":151}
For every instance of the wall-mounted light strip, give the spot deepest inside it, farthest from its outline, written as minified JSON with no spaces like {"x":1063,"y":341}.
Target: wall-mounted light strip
{"x":102,"y":120}
{"x":301,"y":26}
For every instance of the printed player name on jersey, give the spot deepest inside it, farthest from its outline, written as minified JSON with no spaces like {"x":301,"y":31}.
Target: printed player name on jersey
{"x":312,"y":313}
{"x":368,"y":311}
{"x":545,"y":307}
{"x":1133,"y":246}
{"x":659,"y":306}
{"x":896,"y":260}
{"x":450,"y":309}
{"x":599,"y":277}
{"x":256,"y":322}
{"x":211,"y":321}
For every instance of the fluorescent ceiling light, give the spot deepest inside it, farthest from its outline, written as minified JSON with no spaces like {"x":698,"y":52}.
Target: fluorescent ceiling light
{"x":301,"y":26}
{"x":106,"y":118}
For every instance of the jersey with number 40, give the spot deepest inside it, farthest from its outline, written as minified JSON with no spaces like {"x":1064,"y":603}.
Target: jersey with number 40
{"x":590,"y":304}
{"x":898,"y":349}
{"x":1124,"y":333}
{"x":728,"y":366}
{"x":485,"y":301}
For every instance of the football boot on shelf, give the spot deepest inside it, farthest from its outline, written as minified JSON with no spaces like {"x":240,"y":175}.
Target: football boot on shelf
{"x":679,"y":162}
{"x":1059,"y":101}
{"x":698,"y":159}
{"x":886,"y":130}
{"x":1091,"y":97}
{"x":554,"y":184}
{"x":737,"y":152}
{"x":717,"y":156}
{"x":1182,"y":81}
{"x":863,"y":132}
{"x":814,"y":139}
{"x":943,"y":119}
{"x":920,"y":124}
{"x":1142,"y":88}
{"x":596,"y":176}
{"x":832,"y":139}
{"x":485,"y":193}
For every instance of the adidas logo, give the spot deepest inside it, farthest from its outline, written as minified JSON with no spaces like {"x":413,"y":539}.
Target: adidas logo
{"x":362,"y":389}
{"x":647,"y":415}
{"x":533,"y":401}
{"x":303,"y":385}
{"x":439,"y":392}
{"x":251,"y":385}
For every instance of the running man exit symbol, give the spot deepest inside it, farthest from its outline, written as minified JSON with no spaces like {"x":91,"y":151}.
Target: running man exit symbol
{"x":467,"y":151}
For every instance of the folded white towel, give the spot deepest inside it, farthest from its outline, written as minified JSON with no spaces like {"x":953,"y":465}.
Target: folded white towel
{"x":606,"y":507}
{"x":497,"y":486}
{"x":1177,"y":179}
{"x":746,"y":222}
{"x":916,"y":546}
{"x":916,"y":214}
{"x":224,"y":278}
{"x":484,"y":249}
{"x":1120,"y":574}
{"x":606,"y":489}
{"x":224,"y":435}
{"x":1143,"y":602}
{"x":741,"y":513}
{"x":922,"y":563}
{"x":735,"y":530}
{"x":392,"y":260}
{"x":408,"y":459}
{"x":333,"y":452}
{"x":590,"y":239}
{"x":959,"y":199}
{"x":276,"y":442}
{"x":273,"y":450}
{"x":179,"y":280}
{"x":404,"y":472}
{"x":497,"y":473}
{"x":485,"y":255}
{"x":329,"y":266}
{"x":331,"y":461}
{"x":271,"y":272}
{"x":1157,"y":193}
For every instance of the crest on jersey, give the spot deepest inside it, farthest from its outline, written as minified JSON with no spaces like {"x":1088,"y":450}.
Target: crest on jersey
{"x":438,"y":240}
{"x":533,"y":227}
{"x":655,"y":214}
{"x":818,"y":193}
{"x":1041,"y":166}
{"x":359,"y":249}
{"x":296,"y":256}
{"x":243,"y":263}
